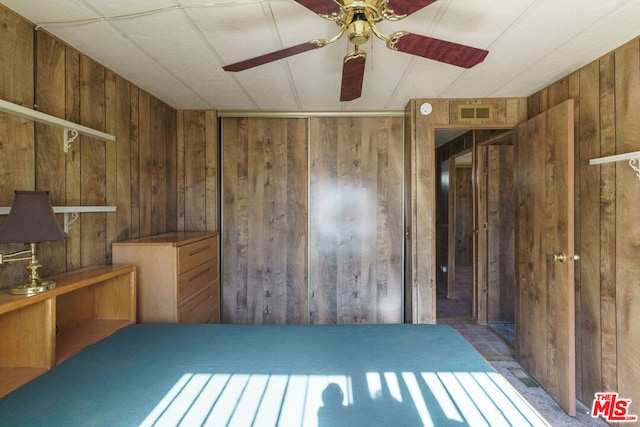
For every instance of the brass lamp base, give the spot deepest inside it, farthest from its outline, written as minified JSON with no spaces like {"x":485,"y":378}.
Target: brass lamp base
{"x":32,"y":288}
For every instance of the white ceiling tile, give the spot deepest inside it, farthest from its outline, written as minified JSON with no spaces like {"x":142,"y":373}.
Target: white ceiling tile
{"x":176,"y":51}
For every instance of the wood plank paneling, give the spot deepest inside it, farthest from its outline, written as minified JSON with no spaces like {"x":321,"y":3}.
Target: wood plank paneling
{"x":135,"y":162}
{"x":73,"y":160}
{"x":17,"y":148}
{"x":50,"y":158}
{"x":93,"y":162}
{"x":500,"y":243}
{"x":212,"y":205}
{"x":356,"y":227}
{"x":144,"y":163}
{"x":111,"y":159}
{"x":16,"y":69}
{"x":297,"y":212}
{"x":171,"y":168}
{"x":605,"y":253}
{"x":627,"y":219}
{"x":195,"y":170}
{"x":323,"y":280}
{"x":158,"y":172}
{"x":124,"y":172}
{"x":589,"y":346}
{"x":74,"y":87}
{"x":264,"y":216}
{"x":463,"y":216}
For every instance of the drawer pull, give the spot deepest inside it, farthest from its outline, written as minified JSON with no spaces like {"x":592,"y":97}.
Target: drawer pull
{"x":199,"y":274}
{"x":199,"y":250}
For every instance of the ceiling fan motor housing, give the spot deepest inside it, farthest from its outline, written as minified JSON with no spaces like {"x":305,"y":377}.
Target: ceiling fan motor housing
{"x":359,"y":28}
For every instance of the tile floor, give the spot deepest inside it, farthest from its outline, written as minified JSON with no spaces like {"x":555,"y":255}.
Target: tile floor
{"x":457,"y":312}
{"x":499,"y":350}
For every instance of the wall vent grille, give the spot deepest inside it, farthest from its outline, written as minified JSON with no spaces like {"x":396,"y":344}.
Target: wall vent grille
{"x":475,"y":113}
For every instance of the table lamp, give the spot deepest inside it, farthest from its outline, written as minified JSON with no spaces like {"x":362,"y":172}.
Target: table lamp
{"x":30,"y":221}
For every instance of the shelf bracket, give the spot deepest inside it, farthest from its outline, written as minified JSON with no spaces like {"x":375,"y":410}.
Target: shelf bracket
{"x":70,"y":135}
{"x":634,"y":163}
{"x":633,"y":158}
{"x":69,"y":219}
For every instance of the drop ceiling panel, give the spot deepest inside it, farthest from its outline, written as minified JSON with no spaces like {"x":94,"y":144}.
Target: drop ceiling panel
{"x":619,"y":27}
{"x":50,"y":11}
{"x":542,"y":31}
{"x":176,"y":51}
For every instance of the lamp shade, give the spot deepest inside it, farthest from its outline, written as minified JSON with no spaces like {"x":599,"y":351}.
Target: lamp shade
{"x":31,"y":220}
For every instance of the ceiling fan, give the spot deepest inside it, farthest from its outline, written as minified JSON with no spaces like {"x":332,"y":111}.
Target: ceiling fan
{"x":358,"y":18}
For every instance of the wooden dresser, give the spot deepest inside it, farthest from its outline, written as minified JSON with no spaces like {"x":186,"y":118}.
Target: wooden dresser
{"x":178,"y":276}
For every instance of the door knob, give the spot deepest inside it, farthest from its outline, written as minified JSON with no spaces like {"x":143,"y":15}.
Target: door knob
{"x":561,"y":257}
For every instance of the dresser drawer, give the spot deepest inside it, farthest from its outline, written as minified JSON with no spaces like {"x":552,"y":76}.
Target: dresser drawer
{"x":196,"y":308}
{"x":193,"y":280}
{"x":196,"y":253}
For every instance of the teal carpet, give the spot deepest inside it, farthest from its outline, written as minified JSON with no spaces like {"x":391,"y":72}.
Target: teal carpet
{"x":330,"y":375}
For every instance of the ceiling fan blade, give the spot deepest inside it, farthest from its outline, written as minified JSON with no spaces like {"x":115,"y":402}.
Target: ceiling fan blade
{"x":438,"y":50}
{"x":273,"y":56}
{"x":407,"y":7}
{"x":352,"y":76}
{"x":321,"y":7}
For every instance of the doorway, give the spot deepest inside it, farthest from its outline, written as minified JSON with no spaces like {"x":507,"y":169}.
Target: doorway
{"x":495,"y":212}
{"x":474,"y":228}
{"x":454,"y":225}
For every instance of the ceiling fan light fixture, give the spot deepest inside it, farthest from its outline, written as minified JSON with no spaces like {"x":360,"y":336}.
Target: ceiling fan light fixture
{"x":359,"y":29}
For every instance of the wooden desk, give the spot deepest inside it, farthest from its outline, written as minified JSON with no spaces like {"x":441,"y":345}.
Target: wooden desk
{"x":38,"y":332}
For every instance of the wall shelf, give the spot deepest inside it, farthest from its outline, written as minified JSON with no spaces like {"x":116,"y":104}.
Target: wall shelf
{"x":71,"y":213}
{"x":633,"y":158}
{"x":71,"y":130}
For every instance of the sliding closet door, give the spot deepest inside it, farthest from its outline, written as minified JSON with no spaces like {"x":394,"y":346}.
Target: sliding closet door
{"x":264,"y":229}
{"x":356,"y":217}
{"x":312,"y":220}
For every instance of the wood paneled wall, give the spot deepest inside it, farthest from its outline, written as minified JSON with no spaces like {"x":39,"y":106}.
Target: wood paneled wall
{"x":197,"y":168}
{"x":17,"y":150}
{"x":136,"y":173}
{"x":607,"y":220}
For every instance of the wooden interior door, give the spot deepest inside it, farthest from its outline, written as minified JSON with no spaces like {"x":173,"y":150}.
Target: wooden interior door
{"x":545,"y":310}
{"x":500,"y":268}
